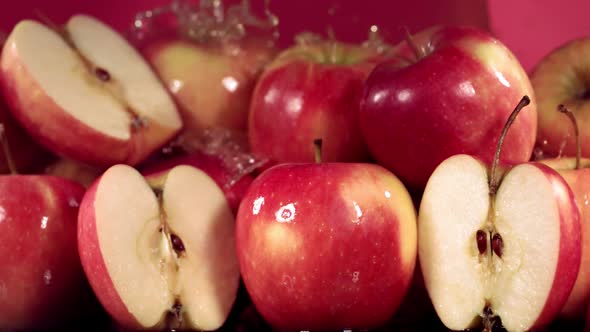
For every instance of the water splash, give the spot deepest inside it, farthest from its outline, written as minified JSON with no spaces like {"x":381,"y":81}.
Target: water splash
{"x":376,"y":41}
{"x":230,"y":146}
{"x":205,"y":21}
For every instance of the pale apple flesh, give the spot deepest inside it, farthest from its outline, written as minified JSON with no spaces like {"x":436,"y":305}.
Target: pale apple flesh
{"x":86,"y":85}
{"x":562,"y":78}
{"x":526,"y":277}
{"x":159,"y":253}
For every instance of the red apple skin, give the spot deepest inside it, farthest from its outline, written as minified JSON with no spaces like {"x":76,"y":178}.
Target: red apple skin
{"x":303,"y":96}
{"x":560,"y":78}
{"x":214,"y":167}
{"x":570,"y":253}
{"x":309,"y":262}
{"x":41,"y":279}
{"x":579,"y":181}
{"x":45,"y":121}
{"x":455,"y":100}
{"x":94,"y":265}
{"x":227,"y":71}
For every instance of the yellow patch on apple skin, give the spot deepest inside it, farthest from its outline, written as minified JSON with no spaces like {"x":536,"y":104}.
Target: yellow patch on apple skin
{"x":389,"y":190}
{"x":48,"y":196}
{"x":280,"y":240}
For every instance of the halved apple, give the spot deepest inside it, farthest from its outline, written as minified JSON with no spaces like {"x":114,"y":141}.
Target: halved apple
{"x":159,"y":252}
{"x":498,"y":244}
{"x":85,"y":92}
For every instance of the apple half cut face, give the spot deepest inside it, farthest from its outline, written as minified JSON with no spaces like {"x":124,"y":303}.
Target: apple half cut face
{"x":85,"y":92}
{"x":160,"y":252}
{"x":514,"y":254}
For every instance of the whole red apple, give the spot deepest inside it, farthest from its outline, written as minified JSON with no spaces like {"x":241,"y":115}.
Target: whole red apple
{"x":311,"y":90}
{"x":41,"y":279}
{"x":326,"y":246}
{"x":448,"y":91}
{"x":561,"y":78}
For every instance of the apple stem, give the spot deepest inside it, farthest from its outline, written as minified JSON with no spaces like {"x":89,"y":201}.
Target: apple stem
{"x":493,"y":184}
{"x":419,"y":52}
{"x":561,"y":108}
{"x":6,"y":150}
{"x":317,"y":149}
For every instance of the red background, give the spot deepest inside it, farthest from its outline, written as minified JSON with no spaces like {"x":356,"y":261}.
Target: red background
{"x":529,"y":27}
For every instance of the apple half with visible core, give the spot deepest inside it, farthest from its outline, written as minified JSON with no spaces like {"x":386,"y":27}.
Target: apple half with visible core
{"x":445,"y":91}
{"x":311,"y":90}
{"x":159,"y":251}
{"x":562,"y":77}
{"x":86,"y":93}
{"x":498,"y":245}
{"x":326,"y":246}
{"x":576,"y":172}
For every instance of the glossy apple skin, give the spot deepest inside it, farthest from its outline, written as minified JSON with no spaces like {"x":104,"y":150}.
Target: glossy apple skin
{"x":560,"y":78}
{"x":579,"y":181}
{"x":60,"y":132}
{"x":570,"y":243}
{"x":41,"y":279}
{"x":326,"y":246}
{"x":28,"y":156}
{"x":212,"y":83}
{"x":214,"y":167}
{"x":455,"y":100}
{"x":302,"y":96}
{"x":94,"y":264}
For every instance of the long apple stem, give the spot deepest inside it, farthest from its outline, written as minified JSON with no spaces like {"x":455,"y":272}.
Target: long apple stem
{"x":317,"y":149}
{"x":419,"y":52}
{"x":561,"y":108}
{"x":494,"y":176}
{"x":6,"y":150}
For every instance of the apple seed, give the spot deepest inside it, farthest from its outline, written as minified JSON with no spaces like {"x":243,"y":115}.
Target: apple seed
{"x":102,"y":74}
{"x":482,"y":243}
{"x":177,"y":244}
{"x":497,"y":244}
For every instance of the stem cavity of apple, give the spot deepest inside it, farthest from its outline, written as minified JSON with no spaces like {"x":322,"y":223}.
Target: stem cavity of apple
{"x":317,"y":149}
{"x":561,"y":108}
{"x":6,"y":151}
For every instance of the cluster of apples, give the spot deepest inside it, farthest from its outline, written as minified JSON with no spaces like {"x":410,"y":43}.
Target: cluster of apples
{"x":327,"y":236}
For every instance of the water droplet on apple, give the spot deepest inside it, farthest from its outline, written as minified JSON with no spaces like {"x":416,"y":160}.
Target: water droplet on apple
{"x":355,"y":276}
{"x":47,"y":277}
{"x":387,"y":194}
{"x":73,"y":202}
{"x":358,"y":212}
{"x":2,"y":214}
{"x":586,"y":200}
{"x":257,"y":205}
{"x":285,"y":213}
{"x":44,"y":221}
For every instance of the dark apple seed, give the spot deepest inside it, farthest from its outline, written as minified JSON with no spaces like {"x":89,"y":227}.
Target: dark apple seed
{"x":497,"y":244}
{"x":102,"y":74}
{"x":177,"y":244}
{"x":482,"y":241}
